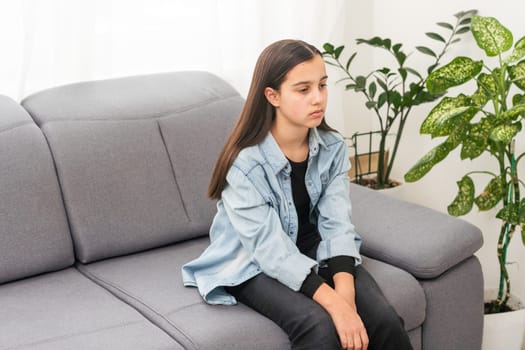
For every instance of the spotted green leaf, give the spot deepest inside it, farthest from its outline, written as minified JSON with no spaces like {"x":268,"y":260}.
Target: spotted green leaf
{"x":487,"y":89}
{"x":520,"y":44}
{"x":510,"y":213}
{"x":443,"y":118}
{"x":477,"y":138}
{"x":457,"y":135}
{"x":518,"y":52}
{"x":491,"y":195}
{"x":505,"y":133}
{"x":458,"y":71}
{"x":517,"y":74}
{"x":512,"y":113}
{"x":426,"y":162}
{"x":473,"y":147}
{"x":464,"y":200}
{"x":491,"y":35}
{"x":516,"y":55}
{"x":518,"y":99}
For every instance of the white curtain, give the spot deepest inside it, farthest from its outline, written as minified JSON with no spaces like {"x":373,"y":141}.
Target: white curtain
{"x":47,"y":43}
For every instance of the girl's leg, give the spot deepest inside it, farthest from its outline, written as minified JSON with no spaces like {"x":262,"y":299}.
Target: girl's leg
{"x":307,"y":324}
{"x":384,"y":327}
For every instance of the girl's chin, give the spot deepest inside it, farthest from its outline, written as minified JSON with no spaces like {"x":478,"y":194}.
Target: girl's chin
{"x":316,"y":121}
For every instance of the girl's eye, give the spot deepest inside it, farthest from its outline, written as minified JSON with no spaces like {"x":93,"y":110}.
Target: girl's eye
{"x":305,"y":89}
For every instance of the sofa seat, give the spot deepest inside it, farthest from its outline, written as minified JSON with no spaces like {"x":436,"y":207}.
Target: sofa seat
{"x":151,"y":282}
{"x":65,"y":310}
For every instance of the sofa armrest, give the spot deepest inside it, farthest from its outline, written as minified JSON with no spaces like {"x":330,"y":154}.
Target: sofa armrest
{"x":421,"y":241}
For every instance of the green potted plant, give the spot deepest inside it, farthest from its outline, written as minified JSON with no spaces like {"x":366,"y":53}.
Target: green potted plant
{"x":486,"y":122}
{"x":390,"y":93}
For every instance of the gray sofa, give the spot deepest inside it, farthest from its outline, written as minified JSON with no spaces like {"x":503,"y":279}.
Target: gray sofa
{"x":102,"y":199}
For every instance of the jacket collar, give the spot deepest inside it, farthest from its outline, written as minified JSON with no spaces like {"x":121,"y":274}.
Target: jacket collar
{"x":276,"y":158}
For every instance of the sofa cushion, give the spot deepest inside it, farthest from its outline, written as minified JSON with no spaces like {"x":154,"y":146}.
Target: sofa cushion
{"x":34,"y":234}
{"x":121,"y":148}
{"x":401,"y":289}
{"x":151,"y":282}
{"x":194,"y":160}
{"x":65,"y":310}
{"x":137,"y":97}
{"x":423,"y":246}
{"x":118,"y":185}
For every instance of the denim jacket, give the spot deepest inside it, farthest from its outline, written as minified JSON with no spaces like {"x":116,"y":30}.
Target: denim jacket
{"x":255,"y":228}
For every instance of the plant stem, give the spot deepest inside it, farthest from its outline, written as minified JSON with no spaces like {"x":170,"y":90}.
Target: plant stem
{"x":504,"y":283}
{"x":508,"y":229}
{"x":400,"y":128}
{"x":504,"y":276}
{"x":481,"y":172}
{"x":381,"y":164}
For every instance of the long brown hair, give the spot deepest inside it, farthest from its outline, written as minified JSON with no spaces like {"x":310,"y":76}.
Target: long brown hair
{"x":258,"y":114}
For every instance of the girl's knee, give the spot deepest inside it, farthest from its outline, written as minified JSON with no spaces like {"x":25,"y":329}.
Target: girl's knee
{"x":321,"y":323}
{"x":315,"y":331}
{"x":390,"y":320}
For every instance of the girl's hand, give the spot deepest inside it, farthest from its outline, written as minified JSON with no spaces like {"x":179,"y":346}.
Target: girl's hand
{"x":344,"y":286}
{"x":348,"y":324}
{"x":351,"y":330}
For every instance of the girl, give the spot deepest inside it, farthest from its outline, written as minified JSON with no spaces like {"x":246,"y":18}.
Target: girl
{"x":282,"y":241}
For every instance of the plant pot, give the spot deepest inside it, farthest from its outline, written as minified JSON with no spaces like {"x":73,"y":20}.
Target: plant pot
{"x":397,"y":191}
{"x":504,"y":330}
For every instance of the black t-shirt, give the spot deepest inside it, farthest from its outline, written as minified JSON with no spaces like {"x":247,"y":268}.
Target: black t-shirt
{"x":308,"y":237}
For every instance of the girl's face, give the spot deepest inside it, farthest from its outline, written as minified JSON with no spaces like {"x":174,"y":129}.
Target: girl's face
{"x":301,"y":99}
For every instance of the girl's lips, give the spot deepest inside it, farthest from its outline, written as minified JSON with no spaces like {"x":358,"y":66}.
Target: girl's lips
{"x":317,"y":114}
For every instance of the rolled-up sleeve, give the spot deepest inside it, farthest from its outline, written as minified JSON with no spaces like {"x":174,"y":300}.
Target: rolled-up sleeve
{"x":338,"y":235}
{"x":260,"y":231}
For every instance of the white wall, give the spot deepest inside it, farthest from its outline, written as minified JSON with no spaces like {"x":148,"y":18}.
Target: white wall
{"x":52,"y":42}
{"x":406,"y":22}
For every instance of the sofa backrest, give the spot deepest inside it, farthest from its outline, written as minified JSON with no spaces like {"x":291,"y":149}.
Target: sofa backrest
{"x":34,"y":233}
{"x":134,"y":156}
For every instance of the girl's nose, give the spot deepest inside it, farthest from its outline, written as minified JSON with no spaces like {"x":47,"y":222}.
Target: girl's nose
{"x":318,"y":96}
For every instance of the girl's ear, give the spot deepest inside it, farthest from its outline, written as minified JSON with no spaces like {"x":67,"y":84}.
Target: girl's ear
{"x":272,"y":96}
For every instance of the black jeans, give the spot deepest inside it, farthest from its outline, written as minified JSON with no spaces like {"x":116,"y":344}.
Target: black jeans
{"x":309,"y":326}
